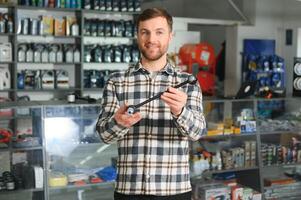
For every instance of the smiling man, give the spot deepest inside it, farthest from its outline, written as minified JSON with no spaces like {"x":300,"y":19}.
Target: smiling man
{"x":153,"y":143}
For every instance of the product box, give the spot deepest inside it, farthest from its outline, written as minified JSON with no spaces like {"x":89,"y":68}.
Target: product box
{"x":257,"y":196}
{"x":237,"y":192}
{"x":248,"y":126}
{"x":247,"y":193}
{"x":59,"y":27}
{"x":48,"y":25}
{"x":214,"y":192}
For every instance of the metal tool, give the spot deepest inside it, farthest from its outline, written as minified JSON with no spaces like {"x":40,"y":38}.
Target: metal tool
{"x":133,"y":108}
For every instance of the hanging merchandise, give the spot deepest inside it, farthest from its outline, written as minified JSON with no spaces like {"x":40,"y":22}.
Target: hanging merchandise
{"x":4,"y":78}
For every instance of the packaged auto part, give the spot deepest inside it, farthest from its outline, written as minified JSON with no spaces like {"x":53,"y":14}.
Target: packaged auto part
{"x":97,"y":54}
{"x":119,"y":28}
{"x":53,"y":52}
{"x":47,"y":77}
{"x":115,"y":5}
{"x":45,"y":55}
{"x":95,"y":4}
{"x":108,"y":28}
{"x":59,"y":55}
{"x":137,"y":5}
{"x":87,"y":53}
{"x":75,"y":29}
{"x":108,"y":5}
{"x":101,"y":28}
{"x":69,"y":55}
{"x":117,"y":54}
{"x":94,"y":28}
{"x":87,"y":27}
{"x":87,"y":4}
{"x":130,"y":5}
{"x":128,"y":29}
{"x":123,"y":6}
{"x":5,"y":78}
{"x":37,"y":53}
{"x":102,"y":5}
{"x":22,"y":52}
{"x":62,"y":79}
{"x":135,"y":54}
{"x":126,"y":54}
{"x":29,"y":55}
{"x":25,"y":26}
{"x":29,"y":79}
{"x":107,"y":55}
{"x":76,"y":55}
{"x":6,"y":52}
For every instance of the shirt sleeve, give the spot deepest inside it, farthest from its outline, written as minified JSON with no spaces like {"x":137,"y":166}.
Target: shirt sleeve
{"x":106,"y":126}
{"x":191,"y":122}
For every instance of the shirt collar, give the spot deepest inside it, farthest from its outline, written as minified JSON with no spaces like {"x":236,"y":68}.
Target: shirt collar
{"x":169,"y":68}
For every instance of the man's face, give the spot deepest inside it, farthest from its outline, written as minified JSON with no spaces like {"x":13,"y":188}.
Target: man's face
{"x":154,"y":36}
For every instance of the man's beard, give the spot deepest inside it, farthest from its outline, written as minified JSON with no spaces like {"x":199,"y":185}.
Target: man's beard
{"x":157,"y":56}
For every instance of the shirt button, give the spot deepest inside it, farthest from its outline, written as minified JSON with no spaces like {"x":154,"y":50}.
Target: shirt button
{"x":149,"y":135}
{"x":147,"y":176}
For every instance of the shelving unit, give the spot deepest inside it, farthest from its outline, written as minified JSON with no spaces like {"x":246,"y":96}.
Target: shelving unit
{"x":75,"y":70}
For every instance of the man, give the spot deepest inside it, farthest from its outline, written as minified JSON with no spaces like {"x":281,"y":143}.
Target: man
{"x":153,"y":143}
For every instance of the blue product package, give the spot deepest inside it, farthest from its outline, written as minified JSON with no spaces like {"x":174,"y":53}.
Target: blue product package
{"x":107,"y":173}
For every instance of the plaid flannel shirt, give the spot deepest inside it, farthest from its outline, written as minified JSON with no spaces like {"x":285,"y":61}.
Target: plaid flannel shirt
{"x":153,"y":155}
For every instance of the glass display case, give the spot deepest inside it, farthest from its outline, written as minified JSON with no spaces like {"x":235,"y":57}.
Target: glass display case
{"x":52,"y":151}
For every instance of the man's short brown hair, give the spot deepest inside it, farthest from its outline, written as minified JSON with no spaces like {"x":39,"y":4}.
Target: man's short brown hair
{"x":155,"y":12}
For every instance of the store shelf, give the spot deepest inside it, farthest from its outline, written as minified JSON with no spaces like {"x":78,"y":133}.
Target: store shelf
{"x":47,"y":90}
{"x":7,"y":34}
{"x":27,"y":148}
{"x":21,"y":36}
{"x":295,"y":131}
{"x":218,"y":137}
{"x":87,"y":186}
{"x":44,"y":63}
{"x":5,"y":192}
{"x":90,"y":11}
{"x":47,"y":8}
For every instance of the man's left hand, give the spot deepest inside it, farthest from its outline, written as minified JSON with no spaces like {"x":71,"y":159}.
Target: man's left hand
{"x":175,"y":99}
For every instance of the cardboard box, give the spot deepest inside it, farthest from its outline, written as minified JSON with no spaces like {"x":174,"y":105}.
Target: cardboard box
{"x":60,"y":27}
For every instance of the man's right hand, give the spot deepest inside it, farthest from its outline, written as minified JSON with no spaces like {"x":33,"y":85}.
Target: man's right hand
{"x":124,"y":119}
